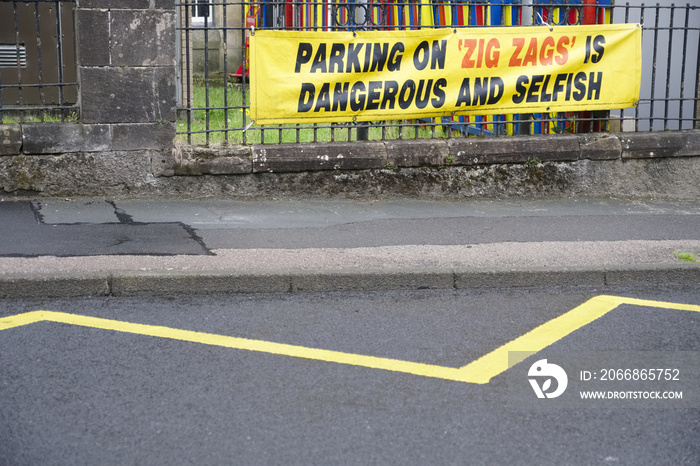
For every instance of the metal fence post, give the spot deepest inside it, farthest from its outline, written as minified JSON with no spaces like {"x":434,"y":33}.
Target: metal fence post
{"x":697,"y":94}
{"x":362,"y":131}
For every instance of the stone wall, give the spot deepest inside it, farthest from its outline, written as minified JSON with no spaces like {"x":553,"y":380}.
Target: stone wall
{"x":662,"y":164}
{"x":124,"y":143}
{"x":126,"y":68}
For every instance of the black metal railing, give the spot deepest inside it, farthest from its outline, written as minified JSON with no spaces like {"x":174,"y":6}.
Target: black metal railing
{"x":214,"y":91}
{"x":38,"y":78}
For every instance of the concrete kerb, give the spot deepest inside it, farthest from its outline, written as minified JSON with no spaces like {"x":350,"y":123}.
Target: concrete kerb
{"x":174,"y":283}
{"x":54,"y":285}
{"x":165,"y":283}
{"x":530,"y":277}
{"x":677,"y":274}
{"x":372,"y":280}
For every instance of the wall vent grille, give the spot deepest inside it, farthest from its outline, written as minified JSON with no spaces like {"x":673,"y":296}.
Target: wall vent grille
{"x":8,"y":56}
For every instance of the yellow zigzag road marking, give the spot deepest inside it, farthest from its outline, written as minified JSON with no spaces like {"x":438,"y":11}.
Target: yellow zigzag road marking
{"x":480,"y":371}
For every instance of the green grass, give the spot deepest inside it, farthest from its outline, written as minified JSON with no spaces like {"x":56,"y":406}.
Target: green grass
{"x":686,"y":257}
{"x":39,"y":118}
{"x":228,"y":126}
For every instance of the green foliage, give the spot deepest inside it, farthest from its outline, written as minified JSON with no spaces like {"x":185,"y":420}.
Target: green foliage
{"x":686,"y":257}
{"x":47,"y":117}
{"x":223,"y":114}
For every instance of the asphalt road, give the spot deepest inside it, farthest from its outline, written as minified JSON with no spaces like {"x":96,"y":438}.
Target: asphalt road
{"x":81,"y":395}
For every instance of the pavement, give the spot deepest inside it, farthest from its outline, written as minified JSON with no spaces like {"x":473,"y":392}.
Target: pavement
{"x":139,"y":247}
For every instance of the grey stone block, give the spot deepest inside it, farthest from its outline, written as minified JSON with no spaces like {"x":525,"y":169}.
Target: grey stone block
{"x":111,"y":4}
{"x":93,"y":30}
{"x":234,"y":160}
{"x":165,"y":4}
{"x":164,"y":93}
{"x":319,"y":156}
{"x":417,"y":153}
{"x":139,"y":136}
{"x":164,"y":163}
{"x":142,"y":38}
{"x":87,"y":174}
{"x":128,"y":95}
{"x":10,"y":139}
{"x":60,"y":138}
{"x":476,"y":151}
{"x":600,"y":147}
{"x":660,"y":144}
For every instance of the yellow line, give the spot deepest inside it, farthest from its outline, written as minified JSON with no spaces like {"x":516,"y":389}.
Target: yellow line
{"x":480,"y":371}
{"x":20,"y":319}
{"x":395,"y":365}
{"x":659,"y":304}
{"x":486,"y":367}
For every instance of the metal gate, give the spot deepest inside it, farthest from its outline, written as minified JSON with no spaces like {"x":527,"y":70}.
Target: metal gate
{"x":38,"y":79}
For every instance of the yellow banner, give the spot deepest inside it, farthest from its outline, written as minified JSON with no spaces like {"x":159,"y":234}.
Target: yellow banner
{"x":299,"y":76}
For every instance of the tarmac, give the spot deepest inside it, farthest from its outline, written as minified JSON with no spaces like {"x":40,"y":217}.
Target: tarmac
{"x":59,"y":248}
